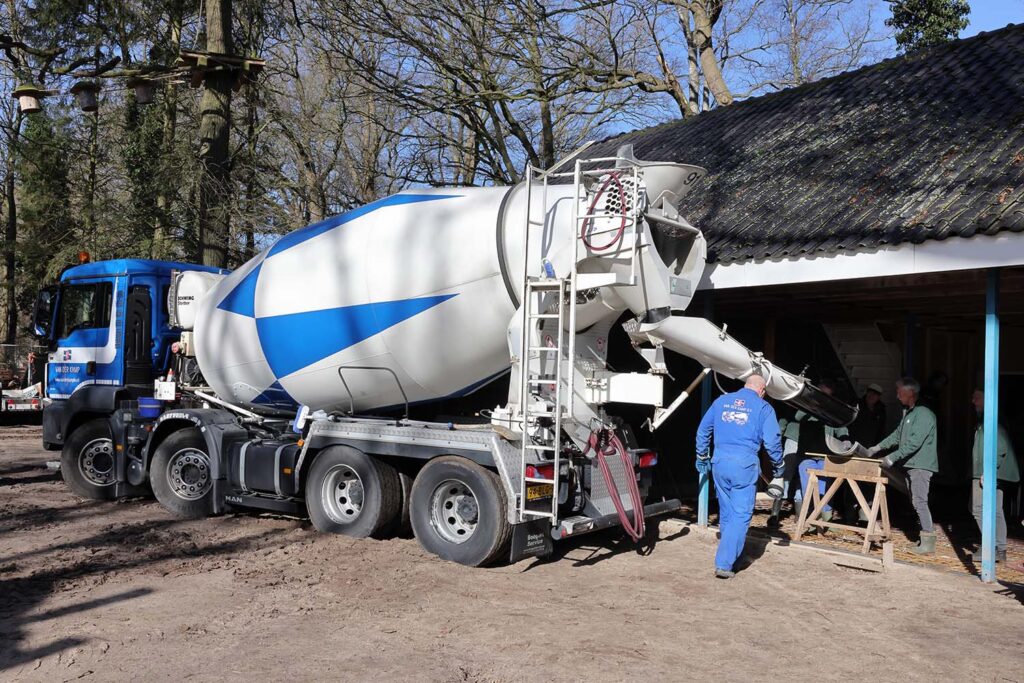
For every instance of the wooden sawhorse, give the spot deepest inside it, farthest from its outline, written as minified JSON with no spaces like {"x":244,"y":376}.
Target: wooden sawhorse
{"x":852,"y":471}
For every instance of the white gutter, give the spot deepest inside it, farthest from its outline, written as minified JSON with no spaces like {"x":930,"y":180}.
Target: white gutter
{"x":934,"y":256}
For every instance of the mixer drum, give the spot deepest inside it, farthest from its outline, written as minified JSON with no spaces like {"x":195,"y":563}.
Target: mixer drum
{"x":405,"y":290}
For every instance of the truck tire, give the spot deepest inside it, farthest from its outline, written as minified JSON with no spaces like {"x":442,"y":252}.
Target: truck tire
{"x":401,"y":526}
{"x":351,"y":493}
{"x":181,"y":474}
{"x":459,"y":511}
{"x":87,"y":461}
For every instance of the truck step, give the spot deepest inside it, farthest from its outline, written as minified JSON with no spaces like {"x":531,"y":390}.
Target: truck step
{"x":287,"y":506}
{"x":580,"y":524}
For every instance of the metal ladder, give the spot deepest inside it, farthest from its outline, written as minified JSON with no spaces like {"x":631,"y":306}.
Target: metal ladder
{"x":541,"y":367}
{"x":536,"y":361}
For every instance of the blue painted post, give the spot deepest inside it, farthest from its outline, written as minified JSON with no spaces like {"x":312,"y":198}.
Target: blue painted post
{"x":990,"y":429}
{"x":704,"y":493}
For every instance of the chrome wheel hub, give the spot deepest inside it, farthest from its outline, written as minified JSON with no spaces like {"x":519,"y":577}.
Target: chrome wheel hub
{"x":454,"y":511}
{"x":188,"y":473}
{"x":96,"y":462}
{"x":342,"y":494}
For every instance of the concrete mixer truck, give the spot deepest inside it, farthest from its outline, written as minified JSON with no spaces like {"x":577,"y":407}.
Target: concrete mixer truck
{"x":288,"y":383}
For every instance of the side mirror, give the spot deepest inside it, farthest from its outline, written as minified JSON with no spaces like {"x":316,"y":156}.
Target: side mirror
{"x":42,"y":313}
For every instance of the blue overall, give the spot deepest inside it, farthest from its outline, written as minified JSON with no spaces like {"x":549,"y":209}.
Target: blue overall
{"x":813,"y":464}
{"x":741,"y":422}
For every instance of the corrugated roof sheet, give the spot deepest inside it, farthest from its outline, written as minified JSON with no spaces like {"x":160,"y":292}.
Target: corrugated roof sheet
{"x":917,"y":148}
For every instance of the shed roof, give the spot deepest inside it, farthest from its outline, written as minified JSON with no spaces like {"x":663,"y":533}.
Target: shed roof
{"x":916,"y":148}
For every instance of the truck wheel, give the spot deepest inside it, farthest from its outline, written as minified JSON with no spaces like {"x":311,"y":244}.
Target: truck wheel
{"x":351,"y":493}
{"x":459,"y":511}
{"x":401,"y":526}
{"x":181,"y":475}
{"x":87,"y":461}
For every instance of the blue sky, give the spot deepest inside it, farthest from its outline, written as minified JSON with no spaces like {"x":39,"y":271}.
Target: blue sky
{"x":988,"y":15}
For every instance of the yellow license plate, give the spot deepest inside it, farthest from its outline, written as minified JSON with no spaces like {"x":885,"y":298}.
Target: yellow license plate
{"x":537,"y":491}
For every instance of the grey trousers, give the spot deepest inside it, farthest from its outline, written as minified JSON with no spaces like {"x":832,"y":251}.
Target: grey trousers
{"x":1000,"y":519}
{"x":920,"y":482}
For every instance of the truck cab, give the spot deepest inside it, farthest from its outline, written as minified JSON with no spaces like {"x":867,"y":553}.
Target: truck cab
{"x":108,"y":335}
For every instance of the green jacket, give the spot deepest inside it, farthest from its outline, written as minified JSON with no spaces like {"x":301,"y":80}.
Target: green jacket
{"x":791,"y":428}
{"x":1006,"y":459}
{"x":914,"y":440}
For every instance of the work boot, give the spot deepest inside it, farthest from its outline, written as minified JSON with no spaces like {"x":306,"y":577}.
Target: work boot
{"x":925,"y":546}
{"x":724,"y":573}
{"x":825,"y":517}
{"x":1000,"y":555}
{"x":773,"y":519}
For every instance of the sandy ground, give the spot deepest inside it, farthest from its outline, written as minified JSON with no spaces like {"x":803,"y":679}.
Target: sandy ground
{"x":122,"y":591}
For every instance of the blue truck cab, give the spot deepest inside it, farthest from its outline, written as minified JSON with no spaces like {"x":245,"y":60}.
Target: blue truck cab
{"x":108,"y":335}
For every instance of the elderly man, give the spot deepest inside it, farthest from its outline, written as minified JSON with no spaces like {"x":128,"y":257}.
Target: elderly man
{"x":913,"y":447}
{"x":740,"y":423}
{"x":1007,"y":474}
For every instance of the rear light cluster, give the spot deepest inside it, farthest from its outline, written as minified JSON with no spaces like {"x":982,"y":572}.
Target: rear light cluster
{"x":647,"y":458}
{"x":540,"y":471}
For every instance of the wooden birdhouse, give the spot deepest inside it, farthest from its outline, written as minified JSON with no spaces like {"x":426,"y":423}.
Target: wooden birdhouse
{"x":86,"y":93}
{"x":145,"y":89}
{"x":29,"y":98}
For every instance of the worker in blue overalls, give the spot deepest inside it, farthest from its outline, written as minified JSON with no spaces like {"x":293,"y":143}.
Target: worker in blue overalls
{"x":741,"y":422}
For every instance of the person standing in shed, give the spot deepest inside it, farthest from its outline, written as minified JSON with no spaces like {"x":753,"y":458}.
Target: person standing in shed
{"x":1007,"y":474}
{"x":912,"y":447}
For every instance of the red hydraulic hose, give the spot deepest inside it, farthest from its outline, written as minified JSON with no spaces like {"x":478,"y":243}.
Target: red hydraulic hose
{"x":635,"y":529}
{"x":590,"y":211}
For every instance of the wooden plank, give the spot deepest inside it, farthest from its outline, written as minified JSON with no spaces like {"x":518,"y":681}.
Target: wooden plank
{"x":861,"y":500}
{"x":872,"y":519}
{"x":858,"y":477}
{"x":801,"y":523}
{"x":849,"y":464}
{"x":836,"y":483}
{"x":816,"y":507}
{"x":839,"y":525}
{"x":885,"y":512}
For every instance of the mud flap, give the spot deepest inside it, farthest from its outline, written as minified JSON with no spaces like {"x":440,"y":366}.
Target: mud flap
{"x":531,"y":539}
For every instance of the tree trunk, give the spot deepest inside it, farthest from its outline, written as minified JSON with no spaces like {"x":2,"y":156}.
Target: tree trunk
{"x":11,"y":226}
{"x":705,"y":14}
{"x":90,"y":201}
{"x":547,"y":125}
{"x":11,"y":237}
{"x":692,"y":99}
{"x":162,"y":228}
{"x":214,"y":139}
{"x":248,"y":227}
{"x":794,"y":43}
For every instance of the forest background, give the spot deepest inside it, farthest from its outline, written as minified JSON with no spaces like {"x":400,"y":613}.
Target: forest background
{"x":267,"y":115}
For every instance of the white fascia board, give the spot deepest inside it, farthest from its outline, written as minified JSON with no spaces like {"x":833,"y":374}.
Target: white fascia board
{"x":955,"y":253}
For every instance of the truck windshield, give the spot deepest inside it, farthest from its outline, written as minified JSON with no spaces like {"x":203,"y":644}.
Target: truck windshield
{"x":84,"y":307}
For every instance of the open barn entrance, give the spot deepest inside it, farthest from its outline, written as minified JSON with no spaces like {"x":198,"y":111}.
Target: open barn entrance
{"x":874,"y":330}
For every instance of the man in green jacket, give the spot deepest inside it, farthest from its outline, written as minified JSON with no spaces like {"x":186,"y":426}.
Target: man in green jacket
{"x":1007,"y":473}
{"x":913,"y":448}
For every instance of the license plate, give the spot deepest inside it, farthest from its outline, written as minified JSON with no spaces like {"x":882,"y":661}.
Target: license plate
{"x":18,"y":406}
{"x":536,"y":491}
